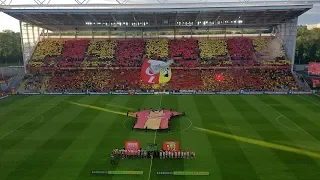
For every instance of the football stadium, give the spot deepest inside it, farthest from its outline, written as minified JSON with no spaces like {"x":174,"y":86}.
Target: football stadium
{"x":206,"y":90}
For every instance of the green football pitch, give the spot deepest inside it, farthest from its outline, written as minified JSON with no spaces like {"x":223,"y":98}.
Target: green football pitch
{"x":243,"y":137}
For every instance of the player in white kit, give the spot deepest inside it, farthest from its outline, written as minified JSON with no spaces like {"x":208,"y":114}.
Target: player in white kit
{"x":188,"y":154}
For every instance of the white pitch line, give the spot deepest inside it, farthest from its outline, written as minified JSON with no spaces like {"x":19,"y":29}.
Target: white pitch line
{"x":310,"y":101}
{"x":160,"y":101}
{"x":38,"y":122}
{"x":284,"y":125}
{"x":25,"y":123}
{"x":150,"y":168}
{"x":154,"y":141}
{"x":294,"y":123}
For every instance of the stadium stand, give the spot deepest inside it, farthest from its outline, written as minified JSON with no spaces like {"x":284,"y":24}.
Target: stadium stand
{"x":240,"y":48}
{"x":130,"y":52}
{"x":3,"y":79}
{"x":74,"y":50}
{"x":33,"y":83}
{"x":243,"y":61}
{"x":159,"y":48}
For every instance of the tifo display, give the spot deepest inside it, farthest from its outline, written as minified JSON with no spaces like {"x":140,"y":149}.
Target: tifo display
{"x":216,"y":64}
{"x":153,"y":119}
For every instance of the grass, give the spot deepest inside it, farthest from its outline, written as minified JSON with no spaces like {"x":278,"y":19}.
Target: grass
{"x":245,"y":137}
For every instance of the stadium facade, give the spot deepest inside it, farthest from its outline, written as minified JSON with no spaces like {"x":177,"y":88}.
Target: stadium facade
{"x":37,"y":20}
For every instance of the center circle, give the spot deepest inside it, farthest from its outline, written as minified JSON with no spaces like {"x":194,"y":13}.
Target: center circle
{"x":175,"y":127}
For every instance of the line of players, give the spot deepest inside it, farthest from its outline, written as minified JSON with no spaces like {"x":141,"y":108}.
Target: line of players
{"x":180,"y":154}
{"x":162,"y":154}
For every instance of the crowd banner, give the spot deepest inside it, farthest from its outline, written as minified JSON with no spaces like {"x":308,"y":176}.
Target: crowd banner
{"x":162,"y":93}
{"x":206,"y":93}
{"x":54,"y":93}
{"x":228,"y":93}
{"x":252,"y":92}
{"x":74,"y":93}
{"x":272,"y":92}
{"x":301,"y":92}
{"x":174,"y":93}
{"x":100,"y":93}
{"x":119,"y":93}
{"x":144,"y":93}
{"x":182,"y":93}
{"x":29,"y":93}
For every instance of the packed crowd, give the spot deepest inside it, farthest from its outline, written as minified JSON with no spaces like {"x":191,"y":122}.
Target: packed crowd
{"x":185,"y":52}
{"x":33,"y":83}
{"x":251,"y":80}
{"x":188,"y":54}
{"x":182,"y":79}
{"x":78,"y":81}
{"x":3,"y":79}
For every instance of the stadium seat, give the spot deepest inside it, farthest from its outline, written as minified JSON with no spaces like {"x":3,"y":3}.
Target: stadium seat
{"x":240,"y":48}
{"x":183,"y":49}
{"x":51,"y":48}
{"x":75,"y":50}
{"x":33,"y":83}
{"x":104,"y":50}
{"x":159,"y":48}
{"x":212,"y":48}
{"x":130,"y":52}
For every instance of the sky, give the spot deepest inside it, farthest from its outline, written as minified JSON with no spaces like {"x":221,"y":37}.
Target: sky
{"x":7,"y":22}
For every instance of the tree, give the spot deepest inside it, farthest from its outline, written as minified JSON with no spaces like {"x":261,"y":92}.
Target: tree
{"x":307,"y":46}
{"x":10,"y":47}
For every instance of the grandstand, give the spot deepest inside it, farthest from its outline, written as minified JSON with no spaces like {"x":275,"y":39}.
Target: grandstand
{"x":68,"y":63}
{"x":94,"y":54}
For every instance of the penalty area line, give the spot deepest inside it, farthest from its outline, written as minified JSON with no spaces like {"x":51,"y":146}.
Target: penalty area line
{"x":26,"y":122}
{"x":293,"y":123}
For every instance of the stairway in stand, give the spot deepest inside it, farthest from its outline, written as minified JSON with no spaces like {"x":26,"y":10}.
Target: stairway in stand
{"x":44,"y":85}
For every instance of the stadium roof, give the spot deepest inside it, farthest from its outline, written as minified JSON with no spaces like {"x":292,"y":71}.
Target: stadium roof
{"x":129,"y":17}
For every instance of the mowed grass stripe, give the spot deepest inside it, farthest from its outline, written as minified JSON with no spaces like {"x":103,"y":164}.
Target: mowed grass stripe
{"x":199,"y":142}
{"x":44,"y":157}
{"x":21,"y":115}
{"x":286,"y":137}
{"x":308,"y":102}
{"x":265,"y":164}
{"x":229,"y":156}
{"x":304,"y":118}
{"x":9,"y":101}
{"x":257,"y":116}
{"x":114,"y":137}
{"x":14,"y":156}
{"x":72,"y":160}
{"x":297,"y":138}
{"x":166,"y":165}
{"x":15,"y":137}
{"x":17,"y":102}
{"x":147,"y":137}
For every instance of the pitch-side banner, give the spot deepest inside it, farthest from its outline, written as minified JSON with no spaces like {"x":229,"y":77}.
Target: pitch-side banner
{"x":156,"y":72}
{"x":171,"y":145}
{"x":132,"y":146}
